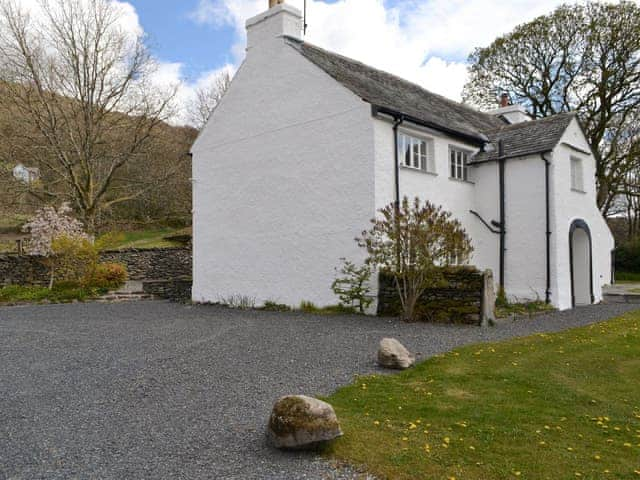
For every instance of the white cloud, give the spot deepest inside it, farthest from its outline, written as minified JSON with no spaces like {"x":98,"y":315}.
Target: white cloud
{"x":166,"y":75}
{"x":425,"y":41}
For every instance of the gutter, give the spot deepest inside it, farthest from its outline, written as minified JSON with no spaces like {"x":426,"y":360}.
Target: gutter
{"x":478,"y":140}
{"x":547,"y":165}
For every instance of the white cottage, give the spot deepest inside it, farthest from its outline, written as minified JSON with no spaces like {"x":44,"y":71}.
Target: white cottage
{"x":307,"y":145}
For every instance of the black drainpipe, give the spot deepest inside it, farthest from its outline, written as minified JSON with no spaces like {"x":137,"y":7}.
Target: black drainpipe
{"x":501,"y":165}
{"x":547,"y":164}
{"x":397,"y":121}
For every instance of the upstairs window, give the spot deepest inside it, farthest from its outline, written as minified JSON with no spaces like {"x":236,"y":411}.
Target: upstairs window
{"x":416,"y":153}
{"x":459,"y":160}
{"x":577,"y":175}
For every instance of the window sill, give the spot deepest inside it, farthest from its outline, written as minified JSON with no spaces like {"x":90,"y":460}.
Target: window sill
{"x":419,"y":170}
{"x":460,"y":180}
{"x":577,"y":190}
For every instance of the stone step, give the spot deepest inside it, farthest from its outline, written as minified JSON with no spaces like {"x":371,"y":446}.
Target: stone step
{"x":125,"y":297}
{"x":621,"y":298}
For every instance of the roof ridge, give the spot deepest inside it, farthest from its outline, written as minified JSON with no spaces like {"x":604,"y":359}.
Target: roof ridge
{"x":396,"y":77}
{"x":535,"y":121}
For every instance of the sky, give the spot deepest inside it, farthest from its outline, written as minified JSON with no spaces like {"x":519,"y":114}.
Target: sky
{"x":425,"y":41}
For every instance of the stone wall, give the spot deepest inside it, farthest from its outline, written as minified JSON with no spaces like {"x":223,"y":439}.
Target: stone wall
{"x":462,"y":297}
{"x":176,"y":290}
{"x":22,"y":270}
{"x":151,"y":264}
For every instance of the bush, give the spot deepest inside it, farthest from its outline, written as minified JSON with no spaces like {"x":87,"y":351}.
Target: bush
{"x":308,"y":307}
{"x":73,"y":259}
{"x":107,"y":276}
{"x":241,"y":302}
{"x":271,"y":306}
{"x":352,"y":285}
{"x":627,"y":257}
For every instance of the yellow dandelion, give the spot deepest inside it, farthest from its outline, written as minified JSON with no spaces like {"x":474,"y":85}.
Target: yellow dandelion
{"x":447,"y":440}
{"x":376,"y":422}
{"x":596,"y":457}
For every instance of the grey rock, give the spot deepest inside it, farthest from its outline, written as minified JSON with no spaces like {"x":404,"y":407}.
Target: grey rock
{"x":302,"y":423}
{"x":392,"y":354}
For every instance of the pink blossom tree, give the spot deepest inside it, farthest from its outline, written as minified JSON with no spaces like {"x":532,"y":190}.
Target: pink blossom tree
{"x":49,"y":224}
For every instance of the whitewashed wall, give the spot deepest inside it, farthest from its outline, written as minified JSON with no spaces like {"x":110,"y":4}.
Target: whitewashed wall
{"x":525,"y":239}
{"x":569,"y":206}
{"x":456,"y":196}
{"x":283,"y":181}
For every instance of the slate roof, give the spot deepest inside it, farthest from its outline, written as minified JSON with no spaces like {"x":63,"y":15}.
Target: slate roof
{"x":527,"y":138}
{"x":389,"y":91}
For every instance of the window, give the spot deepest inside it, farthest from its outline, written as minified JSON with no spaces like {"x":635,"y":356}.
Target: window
{"x":577,"y":176}
{"x":459,"y":161}
{"x":416,"y":153}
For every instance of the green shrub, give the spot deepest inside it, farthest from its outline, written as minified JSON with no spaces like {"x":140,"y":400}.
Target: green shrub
{"x":241,"y":302}
{"x":627,"y":260}
{"x":73,"y":259}
{"x":308,"y":307}
{"x":352,"y":285}
{"x":271,"y":306}
{"x":107,"y":276}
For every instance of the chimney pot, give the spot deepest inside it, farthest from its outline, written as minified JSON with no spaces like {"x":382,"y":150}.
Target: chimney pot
{"x":505,"y":100}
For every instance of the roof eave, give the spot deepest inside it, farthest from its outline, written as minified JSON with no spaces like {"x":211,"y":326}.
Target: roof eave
{"x":479,"y":140}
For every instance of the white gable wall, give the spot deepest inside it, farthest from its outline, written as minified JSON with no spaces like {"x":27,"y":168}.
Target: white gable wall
{"x":569,"y":205}
{"x":283,"y":182}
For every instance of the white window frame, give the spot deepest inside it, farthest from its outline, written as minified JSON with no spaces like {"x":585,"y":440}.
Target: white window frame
{"x":421,"y":158}
{"x":459,"y":163}
{"x":577,"y":174}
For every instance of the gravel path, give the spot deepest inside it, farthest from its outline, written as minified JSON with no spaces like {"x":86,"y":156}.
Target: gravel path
{"x":156,"y":390}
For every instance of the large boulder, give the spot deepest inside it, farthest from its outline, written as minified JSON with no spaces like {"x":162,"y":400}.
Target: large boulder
{"x":392,"y":354}
{"x":299,"y":422}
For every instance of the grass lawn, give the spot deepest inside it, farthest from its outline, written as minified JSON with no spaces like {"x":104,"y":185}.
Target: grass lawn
{"x":557,"y":406}
{"x":152,"y":238}
{"x":17,"y":294}
{"x":626,"y":277}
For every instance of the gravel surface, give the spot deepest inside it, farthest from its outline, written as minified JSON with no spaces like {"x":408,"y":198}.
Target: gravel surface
{"x":154,"y":390}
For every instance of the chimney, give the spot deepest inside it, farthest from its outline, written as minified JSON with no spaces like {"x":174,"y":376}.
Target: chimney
{"x":281,"y":20}
{"x":505,"y":100}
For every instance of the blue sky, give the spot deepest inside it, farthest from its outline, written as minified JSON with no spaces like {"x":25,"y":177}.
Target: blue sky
{"x":176,"y":38}
{"x":424,"y":41}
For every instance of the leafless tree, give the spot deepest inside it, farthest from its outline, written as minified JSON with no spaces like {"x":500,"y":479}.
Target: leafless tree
{"x":82,"y":87}
{"x":207,"y":98}
{"x":579,"y":57}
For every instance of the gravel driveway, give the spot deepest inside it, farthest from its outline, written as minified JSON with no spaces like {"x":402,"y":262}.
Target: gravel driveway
{"x":156,"y":390}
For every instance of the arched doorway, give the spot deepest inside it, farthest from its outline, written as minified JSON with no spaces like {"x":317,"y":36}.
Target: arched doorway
{"x":581,"y":262}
